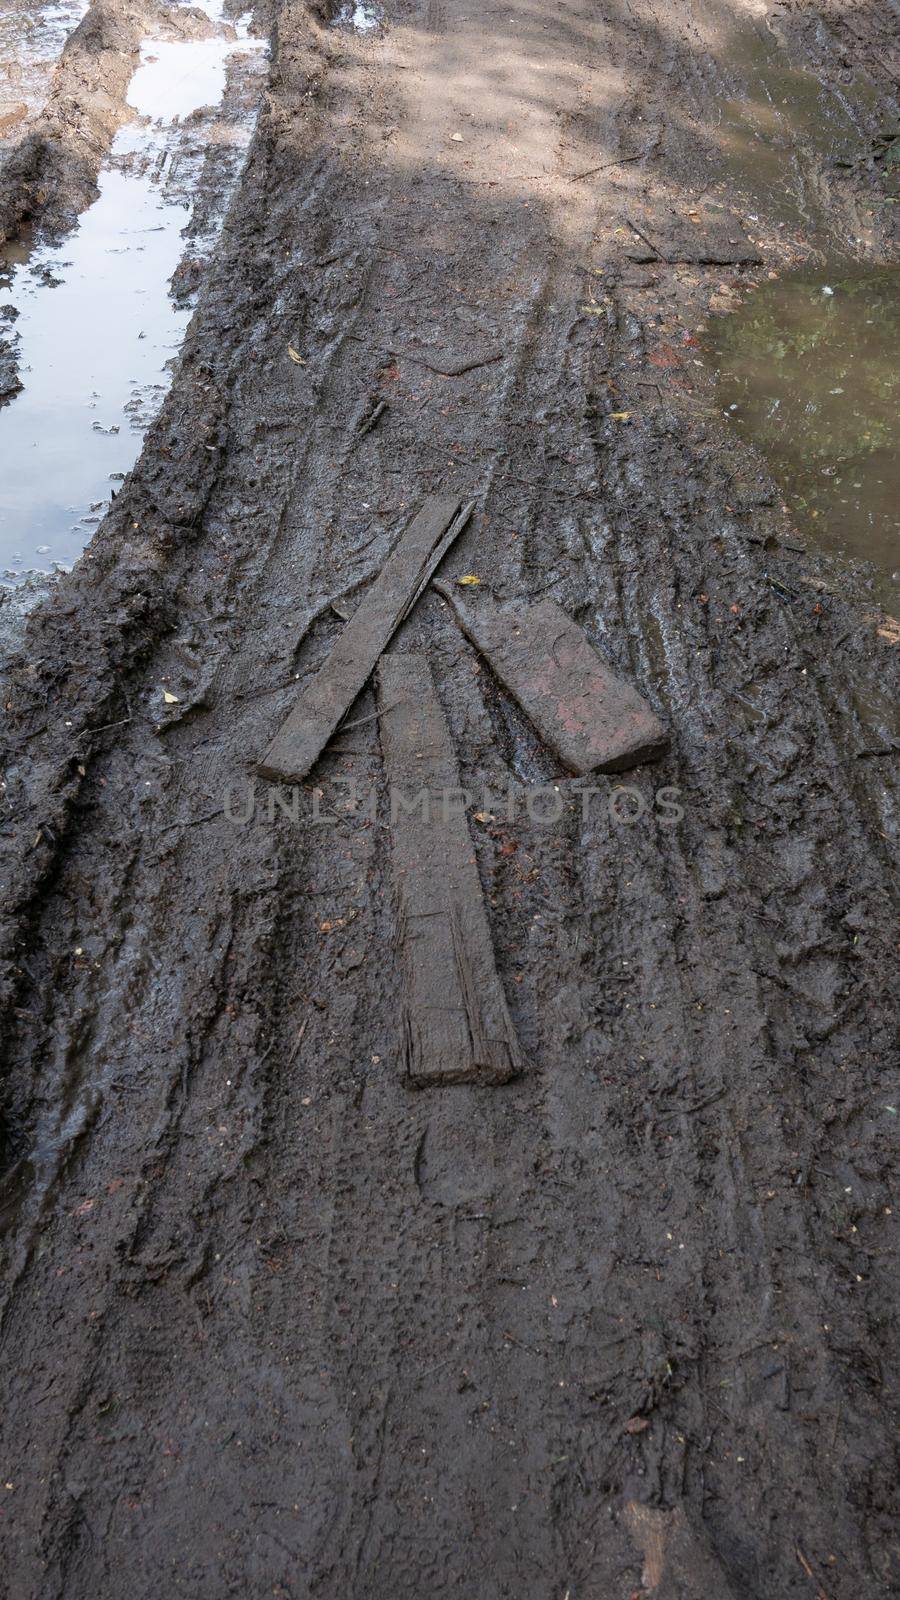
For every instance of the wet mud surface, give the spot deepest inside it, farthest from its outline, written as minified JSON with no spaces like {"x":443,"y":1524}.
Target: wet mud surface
{"x":273,"y":1322}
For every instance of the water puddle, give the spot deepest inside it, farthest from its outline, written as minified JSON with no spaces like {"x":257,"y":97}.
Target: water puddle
{"x":808,"y":371}
{"x":785,"y":115}
{"x":31,"y":41}
{"x":95,"y":327}
{"x":363,"y":16}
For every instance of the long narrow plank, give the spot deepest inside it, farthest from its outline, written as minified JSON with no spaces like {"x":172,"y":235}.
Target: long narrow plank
{"x":588,"y":716}
{"x":456,"y":1025}
{"x":325,"y":701}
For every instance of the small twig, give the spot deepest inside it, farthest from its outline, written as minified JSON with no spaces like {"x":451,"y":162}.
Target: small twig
{"x":105,"y":726}
{"x":298,"y":1041}
{"x":191,"y":822}
{"x":372,"y":717}
{"x":820,"y":1592}
{"x":253,"y":694}
{"x":368,"y":424}
{"x":648,"y":242}
{"x":576,"y":177}
{"x":699,"y":1105}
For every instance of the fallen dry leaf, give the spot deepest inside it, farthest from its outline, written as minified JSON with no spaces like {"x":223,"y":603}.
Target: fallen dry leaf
{"x":296,"y":357}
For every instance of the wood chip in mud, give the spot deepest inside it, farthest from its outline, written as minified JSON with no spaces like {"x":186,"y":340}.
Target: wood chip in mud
{"x":456,"y":1026}
{"x":326,"y":700}
{"x":679,"y":1561}
{"x":586,"y":714}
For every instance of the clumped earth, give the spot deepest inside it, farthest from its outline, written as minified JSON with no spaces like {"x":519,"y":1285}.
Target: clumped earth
{"x":274,"y":1323}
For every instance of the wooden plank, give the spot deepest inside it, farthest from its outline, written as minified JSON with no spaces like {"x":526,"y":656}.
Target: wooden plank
{"x":591,"y":719}
{"x":456,"y":1026}
{"x":326,"y":700}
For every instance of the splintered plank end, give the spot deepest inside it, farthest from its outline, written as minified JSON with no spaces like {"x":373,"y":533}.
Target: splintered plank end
{"x":325,"y":701}
{"x":585,"y":713}
{"x":456,"y":1026}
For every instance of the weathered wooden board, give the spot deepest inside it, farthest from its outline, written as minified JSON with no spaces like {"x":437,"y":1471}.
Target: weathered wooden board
{"x":456,"y":1024}
{"x":325,"y":701}
{"x":591,"y":719}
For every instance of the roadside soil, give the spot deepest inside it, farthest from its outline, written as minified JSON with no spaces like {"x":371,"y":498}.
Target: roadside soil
{"x":274,"y":1323}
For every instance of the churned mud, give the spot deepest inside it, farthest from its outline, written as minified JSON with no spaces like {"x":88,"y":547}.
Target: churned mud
{"x":274,"y":1322}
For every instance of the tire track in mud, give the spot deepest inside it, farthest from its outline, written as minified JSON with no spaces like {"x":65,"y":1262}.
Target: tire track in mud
{"x":445,"y":1126}
{"x":730,"y":938}
{"x":446,"y":1130}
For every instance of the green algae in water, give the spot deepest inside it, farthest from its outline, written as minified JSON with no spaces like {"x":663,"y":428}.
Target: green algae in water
{"x":808,"y":370}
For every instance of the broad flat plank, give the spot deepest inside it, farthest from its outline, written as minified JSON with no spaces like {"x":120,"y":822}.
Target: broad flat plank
{"x":456,"y":1026}
{"x":325,"y":701}
{"x":591,"y":719}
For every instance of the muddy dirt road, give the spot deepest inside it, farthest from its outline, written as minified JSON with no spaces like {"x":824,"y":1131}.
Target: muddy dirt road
{"x":273,"y":1322}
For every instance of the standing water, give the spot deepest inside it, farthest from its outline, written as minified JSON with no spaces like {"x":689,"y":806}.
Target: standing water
{"x":808,"y":370}
{"x":361,"y":15}
{"x":96,"y":330}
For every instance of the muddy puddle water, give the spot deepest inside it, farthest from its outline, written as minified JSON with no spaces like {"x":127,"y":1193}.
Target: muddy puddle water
{"x":808,"y":370}
{"x":96,"y":329}
{"x":783,"y":116}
